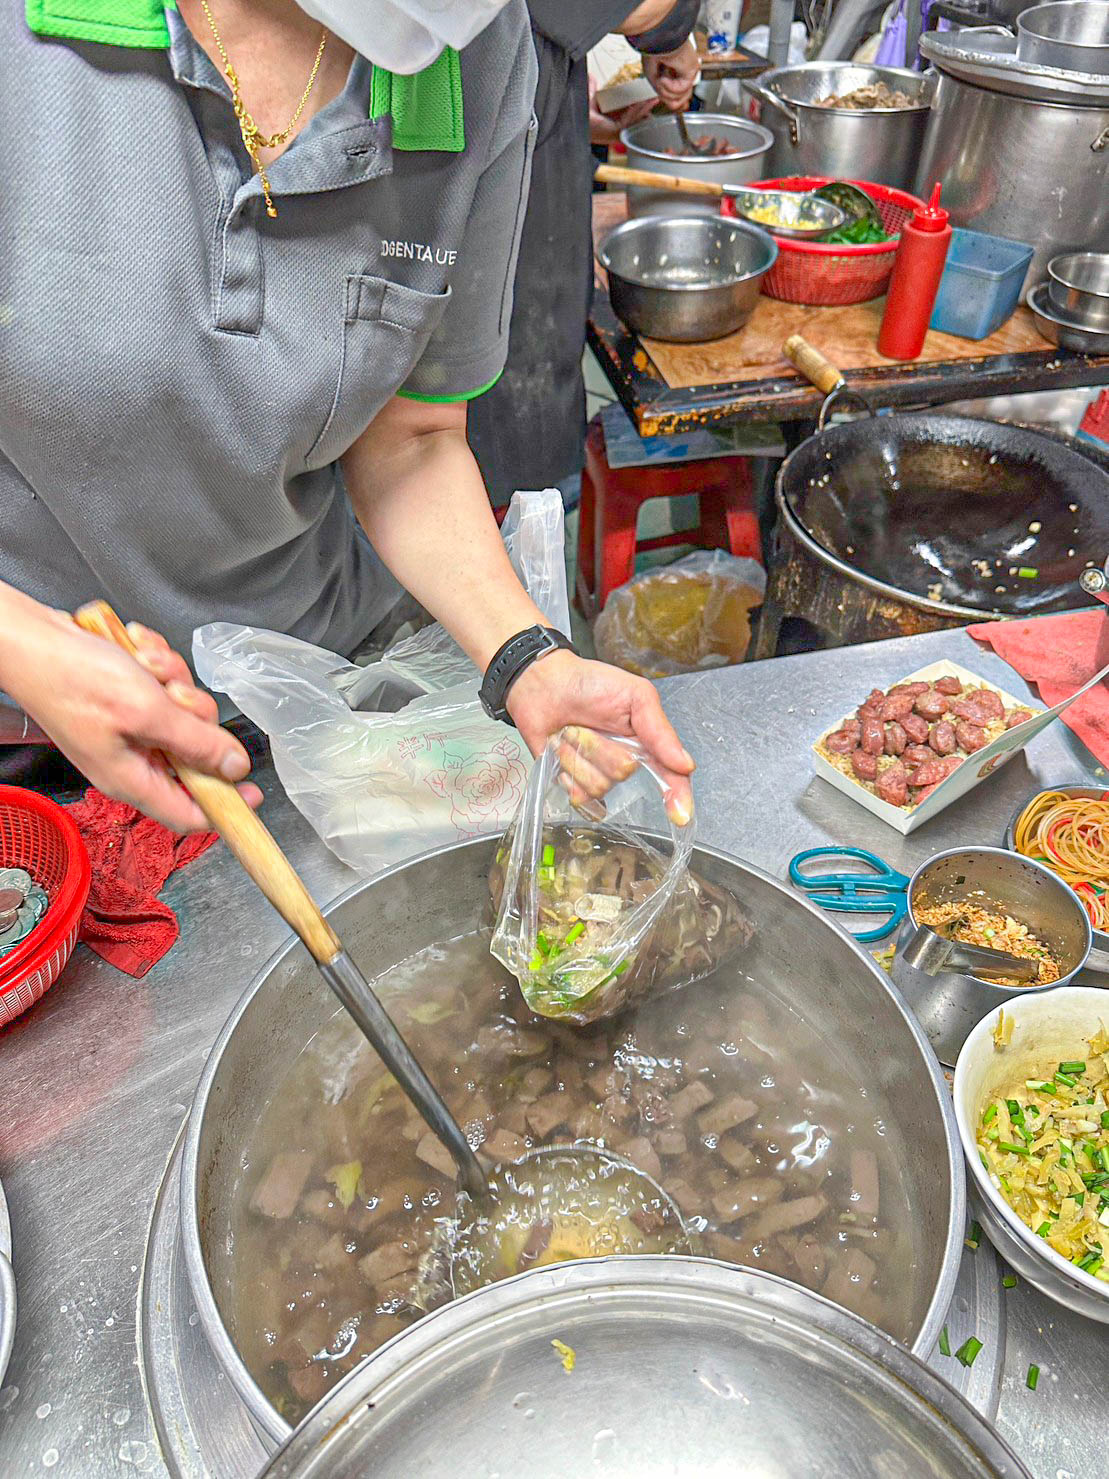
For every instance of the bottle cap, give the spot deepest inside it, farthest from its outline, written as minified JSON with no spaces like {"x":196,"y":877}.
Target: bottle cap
{"x":931,"y":217}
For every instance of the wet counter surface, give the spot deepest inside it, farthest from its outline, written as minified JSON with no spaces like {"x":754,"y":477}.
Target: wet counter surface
{"x":96,"y":1080}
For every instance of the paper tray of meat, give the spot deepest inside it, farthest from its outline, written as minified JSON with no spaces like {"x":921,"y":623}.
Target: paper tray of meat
{"x":908,"y":751}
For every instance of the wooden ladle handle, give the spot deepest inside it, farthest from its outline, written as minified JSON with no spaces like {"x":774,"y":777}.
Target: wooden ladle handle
{"x":812,"y":364}
{"x":614,"y":174}
{"x":245,"y":834}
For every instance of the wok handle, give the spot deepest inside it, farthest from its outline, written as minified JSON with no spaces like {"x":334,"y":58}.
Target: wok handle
{"x":812,"y":364}
{"x":614,"y":174}
{"x":245,"y":834}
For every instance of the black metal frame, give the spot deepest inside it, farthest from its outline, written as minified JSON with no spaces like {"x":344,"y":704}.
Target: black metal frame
{"x":658,"y":409}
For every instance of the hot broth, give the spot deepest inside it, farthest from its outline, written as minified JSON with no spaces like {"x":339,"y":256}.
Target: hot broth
{"x":779,"y":1153}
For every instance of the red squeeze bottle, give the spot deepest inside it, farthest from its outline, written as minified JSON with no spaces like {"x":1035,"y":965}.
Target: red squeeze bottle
{"x":917,"y":270}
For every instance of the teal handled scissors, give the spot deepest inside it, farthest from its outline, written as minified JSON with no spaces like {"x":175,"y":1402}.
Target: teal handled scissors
{"x":880,"y":891}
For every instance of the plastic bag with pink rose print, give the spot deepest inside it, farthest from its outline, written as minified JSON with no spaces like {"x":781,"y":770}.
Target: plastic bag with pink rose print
{"x":388,"y":760}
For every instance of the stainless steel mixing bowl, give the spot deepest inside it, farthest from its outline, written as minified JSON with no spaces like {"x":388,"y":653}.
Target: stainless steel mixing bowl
{"x":686,"y":278}
{"x":651,"y":145}
{"x":949,"y":1004}
{"x":797,"y":951}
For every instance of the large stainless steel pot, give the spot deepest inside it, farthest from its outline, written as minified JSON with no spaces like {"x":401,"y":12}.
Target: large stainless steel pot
{"x":1034,"y":168}
{"x":837,"y":987}
{"x":755,"y":1377}
{"x":878,"y":144}
{"x":650,"y":145}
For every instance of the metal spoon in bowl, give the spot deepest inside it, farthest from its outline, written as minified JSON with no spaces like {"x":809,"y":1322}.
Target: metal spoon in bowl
{"x":702,"y":146}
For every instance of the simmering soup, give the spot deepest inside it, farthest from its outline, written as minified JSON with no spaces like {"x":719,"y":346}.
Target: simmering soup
{"x":777,"y":1152}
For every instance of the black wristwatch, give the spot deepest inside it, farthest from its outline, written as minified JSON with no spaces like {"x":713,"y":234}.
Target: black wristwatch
{"x":518,"y":653}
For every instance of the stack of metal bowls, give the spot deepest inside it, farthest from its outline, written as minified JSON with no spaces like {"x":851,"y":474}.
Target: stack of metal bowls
{"x":1072,"y":307}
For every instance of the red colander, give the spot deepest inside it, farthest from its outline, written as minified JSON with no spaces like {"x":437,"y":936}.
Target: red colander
{"x":38,"y":836}
{"x":832,"y":273}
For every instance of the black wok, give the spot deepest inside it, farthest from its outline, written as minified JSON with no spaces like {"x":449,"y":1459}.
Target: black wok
{"x":947,"y":509}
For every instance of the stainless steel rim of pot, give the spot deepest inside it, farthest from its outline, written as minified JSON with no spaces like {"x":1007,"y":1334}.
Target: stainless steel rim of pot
{"x":770,"y":83}
{"x":728,"y":122}
{"x":264,"y":1416}
{"x":686,"y":1285}
{"x":1005,"y":992}
{"x":711,"y":226}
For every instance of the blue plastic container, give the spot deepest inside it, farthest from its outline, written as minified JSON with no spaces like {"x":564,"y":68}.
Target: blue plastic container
{"x":980,"y":285}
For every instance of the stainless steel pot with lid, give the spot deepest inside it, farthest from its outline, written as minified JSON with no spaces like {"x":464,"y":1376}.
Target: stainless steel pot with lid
{"x":1022,"y":149}
{"x":796,"y":951}
{"x":623,"y":1366}
{"x":877,"y":144}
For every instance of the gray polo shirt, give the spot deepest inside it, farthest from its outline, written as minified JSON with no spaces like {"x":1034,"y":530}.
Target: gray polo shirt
{"x":179,"y":372}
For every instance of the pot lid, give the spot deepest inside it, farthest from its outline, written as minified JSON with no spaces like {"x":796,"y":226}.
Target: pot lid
{"x":649,"y":1367}
{"x":986,"y":56}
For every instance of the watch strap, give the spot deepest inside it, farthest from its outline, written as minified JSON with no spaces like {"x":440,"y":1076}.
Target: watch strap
{"x":510,"y":660}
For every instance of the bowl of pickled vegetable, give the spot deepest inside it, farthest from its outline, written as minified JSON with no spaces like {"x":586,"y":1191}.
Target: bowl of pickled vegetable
{"x":1032,"y":1104}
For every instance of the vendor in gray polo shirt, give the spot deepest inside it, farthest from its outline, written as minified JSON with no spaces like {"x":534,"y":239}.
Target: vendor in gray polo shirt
{"x":257,"y":258}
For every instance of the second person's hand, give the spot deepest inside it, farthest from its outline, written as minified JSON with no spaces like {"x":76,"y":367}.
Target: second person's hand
{"x":673,"y":74}
{"x":114,"y":715}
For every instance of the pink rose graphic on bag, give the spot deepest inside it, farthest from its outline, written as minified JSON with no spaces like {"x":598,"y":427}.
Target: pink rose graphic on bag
{"x":483,"y":790}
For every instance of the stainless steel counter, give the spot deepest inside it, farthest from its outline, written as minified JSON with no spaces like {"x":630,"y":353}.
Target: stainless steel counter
{"x":95,"y":1081}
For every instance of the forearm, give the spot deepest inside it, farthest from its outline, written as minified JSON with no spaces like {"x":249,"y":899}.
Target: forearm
{"x":650,"y":32}
{"x":421,"y":500}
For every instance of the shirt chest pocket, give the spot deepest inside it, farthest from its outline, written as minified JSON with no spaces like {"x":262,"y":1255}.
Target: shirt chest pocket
{"x":386,"y":328}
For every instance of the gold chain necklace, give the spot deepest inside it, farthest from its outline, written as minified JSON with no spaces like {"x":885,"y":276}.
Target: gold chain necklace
{"x":254,"y":140}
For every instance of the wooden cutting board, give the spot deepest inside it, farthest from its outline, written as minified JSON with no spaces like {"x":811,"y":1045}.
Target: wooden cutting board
{"x":846,"y":335}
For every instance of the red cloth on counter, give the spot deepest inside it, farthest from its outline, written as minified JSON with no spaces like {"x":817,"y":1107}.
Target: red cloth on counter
{"x":132,"y":856}
{"x":1058,"y":654}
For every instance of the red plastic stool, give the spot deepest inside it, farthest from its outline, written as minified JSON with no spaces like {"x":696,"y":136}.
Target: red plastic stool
{"x":611,"y":499}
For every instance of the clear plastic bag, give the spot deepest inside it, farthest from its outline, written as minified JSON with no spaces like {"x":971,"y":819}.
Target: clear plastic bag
{"x":387,"y":760}
{"x":593,"y":916}
{"x":683,"y":617}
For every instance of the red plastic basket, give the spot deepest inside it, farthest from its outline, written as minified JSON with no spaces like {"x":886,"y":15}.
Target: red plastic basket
{"x":829,"y":273}
{"x":38,"y":836}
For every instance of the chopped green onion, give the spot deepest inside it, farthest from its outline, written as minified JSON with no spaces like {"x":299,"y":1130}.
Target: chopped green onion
{"x":1065,"y":1078}
{"x":974,"y":1237}
{"x":548,"y":855}
{"x":1032,"y":1378}
{"x":1041,"y":1088}
{"x":1010,"y":1281}
{"x":990,"y":1114}
{"x":536,"y":962}
{"x":945,"y":1344}
{"x":1015,"y":1111}
{"x":1013,"y":1149}
{"x":1027,"y":572}
{"x":1032,"y":1110}
{"x":1043,"y":1229}
{"x":543,"y":943}
{"x":1078,"y":1196}
{"x":968,"y":1351}
{"x":1105,"y":1119}
{"x":1072,"y":1066}
{"x":982,"y":1158}
{"x":576,"y":932}
{"x":1024,"y":1132}
{"x":1091,"y":1263}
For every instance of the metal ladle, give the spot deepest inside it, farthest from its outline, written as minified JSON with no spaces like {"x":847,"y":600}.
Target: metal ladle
{"x":261,"y":857}
{"x":688,"y":146}
{"x":801,"y":213}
